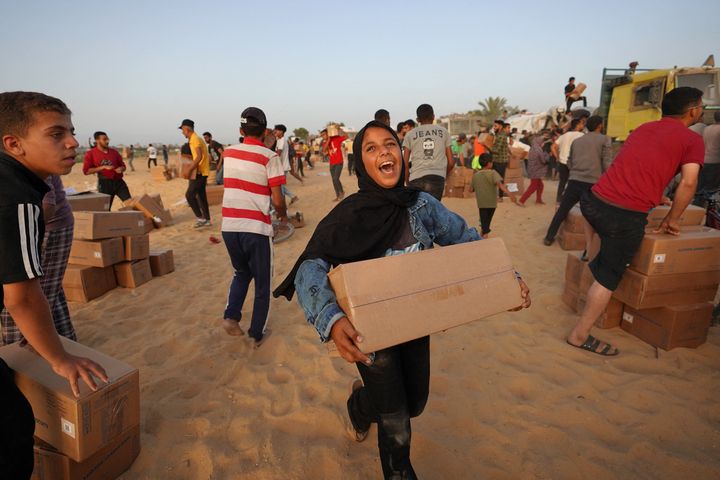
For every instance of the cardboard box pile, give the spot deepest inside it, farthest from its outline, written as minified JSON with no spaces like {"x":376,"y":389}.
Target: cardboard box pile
{"x":665,"y":294}
{"x":392,"y":300}
{"x":459,"y":183}
{"x":571,"y":235}
{"x":109,"y":249}
{"x":94,"y":436}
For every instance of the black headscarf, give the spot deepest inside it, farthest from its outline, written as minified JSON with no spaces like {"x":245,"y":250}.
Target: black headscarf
{"x":364,"y":225}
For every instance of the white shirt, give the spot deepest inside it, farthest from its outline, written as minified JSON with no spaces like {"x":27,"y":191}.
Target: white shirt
{"x":564,"y":142}
{"x":284,"y":154}
{"x":152,"y":152}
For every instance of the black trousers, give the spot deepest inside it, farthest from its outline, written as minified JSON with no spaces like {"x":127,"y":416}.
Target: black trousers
{"x":335,"y":172}
{"x":500,"y":168}
{"x":486,"y":215}
{"x":564,"y":172}
{"x":153,"y":160}
{"x":197,"y":197}
{"x":573,"y":193}
{"x":432,"y":184}
{"x":396,"y":388}
{"x":113,"y":188}
{"x":18,"y":428}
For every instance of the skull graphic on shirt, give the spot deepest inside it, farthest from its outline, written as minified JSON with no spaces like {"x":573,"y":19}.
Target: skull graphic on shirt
{"x":428,"y":147}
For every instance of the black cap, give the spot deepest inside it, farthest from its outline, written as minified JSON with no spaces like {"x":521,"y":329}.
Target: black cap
{"x":187,"y":123}
{"x":253,"y":116}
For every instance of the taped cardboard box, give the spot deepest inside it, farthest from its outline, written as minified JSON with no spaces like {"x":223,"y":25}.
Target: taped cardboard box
{"x":392,"y":300}
{"x":162,"y":262}
{"x":692,"y":215}
{"x":83,"y":283}
{"x":76,"y":427}
{"x":642,"y":291}
{"x":96,"y":253}
{"x":99,"y":225}
{"x":89,"y":202}
{"x":215,"y":194}
{"x":670,"y":327}
{"x":136,"y":247}
{"x":569,"y":240}
{"x":107,"y":463}
{"x":696,"y":249}
{"x":149,"y":206}
{"x":133,"y":274}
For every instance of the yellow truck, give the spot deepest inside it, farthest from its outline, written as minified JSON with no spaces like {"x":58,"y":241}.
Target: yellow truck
{"x":631,"y":97}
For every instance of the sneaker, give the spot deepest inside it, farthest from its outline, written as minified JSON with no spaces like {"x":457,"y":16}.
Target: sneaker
{"x":232,"y":327}
{"x":202,"y":223}
{"x":355,"y":435}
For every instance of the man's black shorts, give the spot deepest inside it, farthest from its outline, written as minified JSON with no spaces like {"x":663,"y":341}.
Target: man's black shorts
{"x":621,"y":232}
{"x":113,"y":188}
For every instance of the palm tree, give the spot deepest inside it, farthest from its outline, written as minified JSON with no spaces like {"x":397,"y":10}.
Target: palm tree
{"x":491,"y":108}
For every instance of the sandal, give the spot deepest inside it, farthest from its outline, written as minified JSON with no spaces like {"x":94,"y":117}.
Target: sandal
{"x":592,"y":344}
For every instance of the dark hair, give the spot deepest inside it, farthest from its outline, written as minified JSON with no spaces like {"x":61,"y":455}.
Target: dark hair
{"x":574,"y":123}
{"x":281,"y":127}
{"x":185,"y":149}
{"x":252,"y":130}
{"x":382,"y":114}
{"x":593,"y":122}
{"x":324,"y":130}
{"x":17,"y":110}
{"x":678,"y":100}
{"x":499,"y":122}
{"x":410,"y":122}
{"x":400,"y":127}
{"x":208,"y":134}
{"x":99,"y":134}
{"x":571,"y":79}
{"x":485,"y":158}
{"x":425,"y":112}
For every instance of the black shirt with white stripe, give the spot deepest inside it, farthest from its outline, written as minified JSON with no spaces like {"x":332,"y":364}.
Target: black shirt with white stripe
{"x":22,"y":226}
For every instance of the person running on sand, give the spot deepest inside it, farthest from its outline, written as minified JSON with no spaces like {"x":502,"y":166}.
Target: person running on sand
{"x":196,"y":194}
{"x":384,"y":218}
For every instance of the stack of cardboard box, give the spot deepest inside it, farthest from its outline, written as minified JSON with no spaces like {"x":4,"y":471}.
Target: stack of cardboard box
{"x":665,"y":295}
{"x":108,"y":249}
{"x":514,"y":175}
{"x":95,"y":436}
{"x":571,"y":235}
{"x":459,"y":183}
{"x":89,"y":201}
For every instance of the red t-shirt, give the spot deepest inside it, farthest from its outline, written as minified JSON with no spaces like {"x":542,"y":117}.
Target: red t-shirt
{"x":95,"y":158}
{"x":651,"y":156}
{"x":336,"y":157}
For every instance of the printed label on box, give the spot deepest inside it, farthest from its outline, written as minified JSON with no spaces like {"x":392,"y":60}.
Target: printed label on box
{"x":68,"y":427}
{"x":512,"y":187}
{"x":659,"y":258}
{"x":97,"y":255}
{"x":628,"y":317}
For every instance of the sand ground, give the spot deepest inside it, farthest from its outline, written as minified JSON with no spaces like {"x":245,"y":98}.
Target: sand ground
{"x":509,"y":399}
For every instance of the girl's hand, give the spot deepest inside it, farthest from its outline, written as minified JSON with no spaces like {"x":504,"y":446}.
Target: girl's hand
{"x":346,"y":339}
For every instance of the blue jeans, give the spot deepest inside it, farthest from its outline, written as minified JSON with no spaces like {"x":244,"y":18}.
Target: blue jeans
{"x":251,"y":257}
{"x":396,"y":388}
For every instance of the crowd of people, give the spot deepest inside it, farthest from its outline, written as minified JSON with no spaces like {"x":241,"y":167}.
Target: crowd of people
{"x":401,"y":174}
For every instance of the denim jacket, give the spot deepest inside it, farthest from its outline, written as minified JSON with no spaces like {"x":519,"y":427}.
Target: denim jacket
{"x":430,"y":222}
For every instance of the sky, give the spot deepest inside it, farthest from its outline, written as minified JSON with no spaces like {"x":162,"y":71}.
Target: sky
{"x":135,"y":69}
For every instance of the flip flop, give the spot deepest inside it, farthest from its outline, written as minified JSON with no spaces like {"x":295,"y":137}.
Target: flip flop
{"x":591,"y":345}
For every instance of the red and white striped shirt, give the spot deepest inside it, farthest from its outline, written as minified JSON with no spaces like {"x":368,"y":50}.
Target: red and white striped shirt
{"x":249,"y":171}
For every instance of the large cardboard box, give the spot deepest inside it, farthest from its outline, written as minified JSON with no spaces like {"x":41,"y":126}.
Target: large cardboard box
{"x":692,"y":215}
{"x":89,"y":202}
{"x":83,"y":283}
{"x":609,"y":318}
{"x":392,"y":300}
{"x":457,"y":177}
{"x":148,"y":205}
{"x":696,"y":249}
{"x":215,"y":194}
{"x":136,"y":247}
{"x":99,"y":225}
{"x":133,"y":274}
{"x":642,"y":291}
{"x":161,"y":262}
{"x":670,"y":327}
{"x":569,"y":240}
{"x":96,"y":253}
{"x":515,"y":185}
{"x":570,"y":296}
{"x":107,"y":463}
{"x":577,"y":273}
{"x":163,"y":220}
{"x":76,"y":427}
{"x":513,"y":172}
